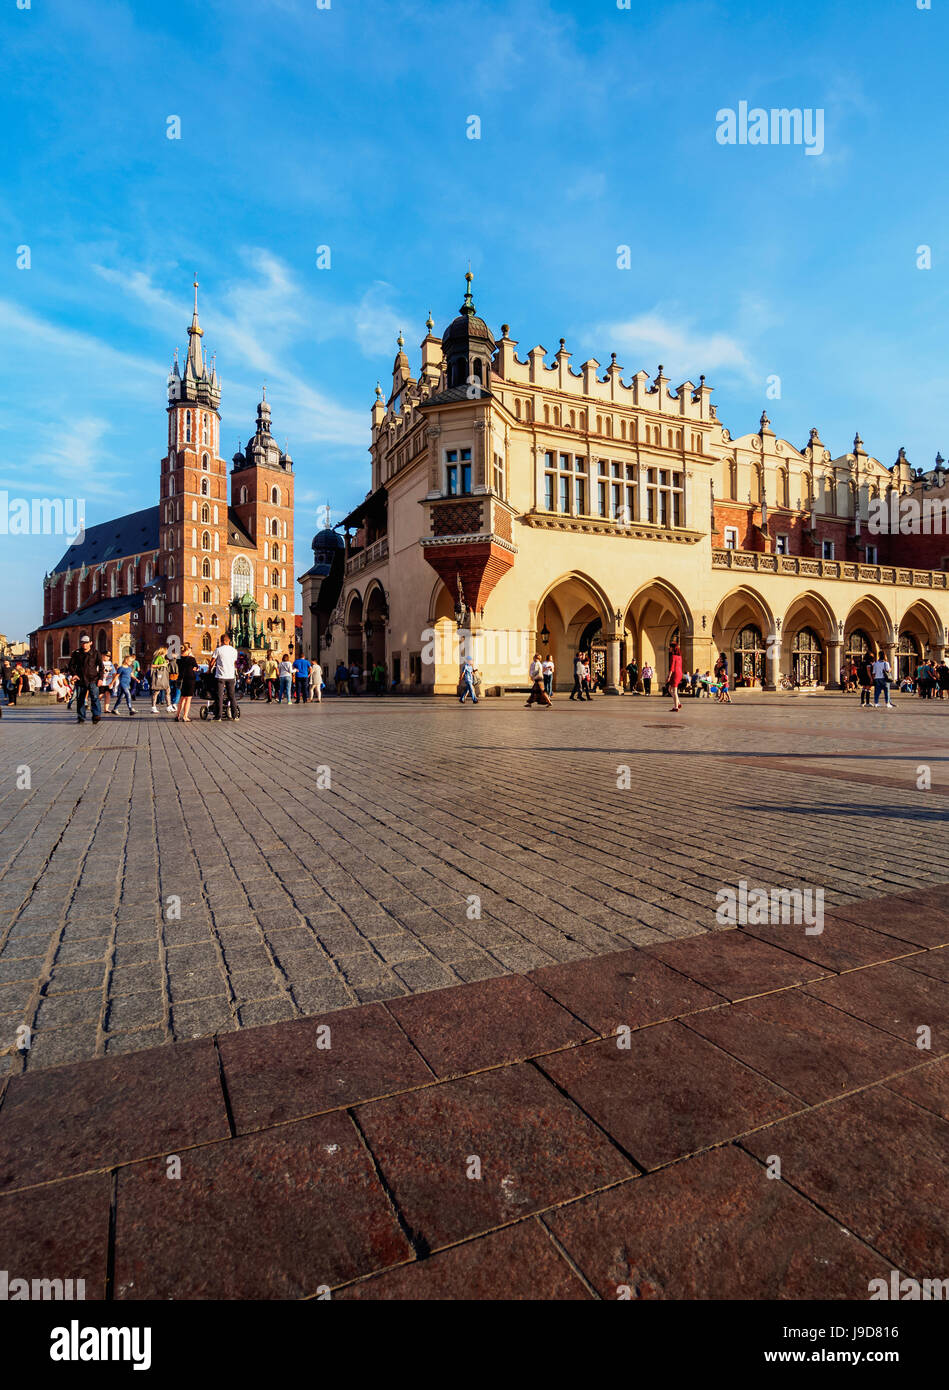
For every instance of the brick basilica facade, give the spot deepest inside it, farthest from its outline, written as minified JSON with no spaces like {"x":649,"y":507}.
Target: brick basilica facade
{"x":215,"y":554}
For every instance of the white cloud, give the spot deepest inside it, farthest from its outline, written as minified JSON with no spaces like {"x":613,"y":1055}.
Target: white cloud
{"x":684,"y":350}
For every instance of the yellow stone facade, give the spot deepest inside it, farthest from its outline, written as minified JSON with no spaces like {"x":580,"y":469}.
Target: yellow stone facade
{"x":521,"y":505}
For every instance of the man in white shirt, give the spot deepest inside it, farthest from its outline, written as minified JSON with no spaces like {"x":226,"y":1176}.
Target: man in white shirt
{"x":880,"y":670}
{"x":253,"y":680}
{"x":316,"y":682}
{"x":547,"y":665}
{"x":225,"y":673}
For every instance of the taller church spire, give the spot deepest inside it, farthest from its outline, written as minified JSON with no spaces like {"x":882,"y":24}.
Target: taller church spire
{"x":197,"y":384}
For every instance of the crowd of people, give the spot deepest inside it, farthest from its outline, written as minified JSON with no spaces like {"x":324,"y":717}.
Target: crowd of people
{"x":171,"y":681}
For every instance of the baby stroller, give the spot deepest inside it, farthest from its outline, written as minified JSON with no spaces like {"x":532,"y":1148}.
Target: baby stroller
{"x":206,"y":686}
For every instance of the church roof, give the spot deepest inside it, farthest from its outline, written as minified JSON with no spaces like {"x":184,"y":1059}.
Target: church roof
{"x":236,"y":535}
{"x":133,"y":534}
{"x":103,"y":611}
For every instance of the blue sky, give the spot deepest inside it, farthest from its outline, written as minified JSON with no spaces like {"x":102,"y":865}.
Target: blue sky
{"x":346,"y":127}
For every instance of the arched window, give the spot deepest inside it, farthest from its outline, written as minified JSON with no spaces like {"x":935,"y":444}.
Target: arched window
{"x":275,"y":578}
{"x":517,"y":409}
{"x":171,"y":567}
{"x":171,"y":487}
{"x":205,"y":568}
{"x":214,"y":620}
{"x":784,"y":488}
{"x":205,"y":540}
{"x":194,"y":510}
{"x":199,"y":620}
{"x":242,"y":577}
{"x":188,"y":427}
{"x":807,"y":660}
{"x":243,"y":494}
{"x":749,"y":654}
{"x":907,"y":656}
{"x":205,"y":487}
{"x":204,"y":429}
{"x":275,"y":496}
{"x":64,"y":647}
{"x":113,"y":584}
{"x":206,"y":642}
{"x":206,"y":594}
{"x":205,"y":514}
{"x":273,"y":551}
{"x":858,"y":647}
{"x":276,"y":601}
{"x":129,"y":579}
{"x":205,"y":463}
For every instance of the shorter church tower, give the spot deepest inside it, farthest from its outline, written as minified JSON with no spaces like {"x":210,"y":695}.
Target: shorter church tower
{"x":262,"y":506}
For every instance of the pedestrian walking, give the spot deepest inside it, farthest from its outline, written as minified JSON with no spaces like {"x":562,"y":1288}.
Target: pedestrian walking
{"x":301,"y":673}
{"x":675,"y":675}
{"x":538,"y":695}
{"x":880,"y":671}
{"x":341,"y":679}
{"x":865,"y":680}
{"x":123,"y":687}
{"x":354,"y":679}
{"x":86,"y":666}
{"x":284,"y":679}
{"x":271,"y":676}
{"x":466,"y":683}
{"x":187,"y":676}
{"x":316,"y":682}
{"x":577,"y":691}
{"x":160,"y":680}
{"x":224,"y":670}
{"x":548,"y":671}
{"x":647,"y":675}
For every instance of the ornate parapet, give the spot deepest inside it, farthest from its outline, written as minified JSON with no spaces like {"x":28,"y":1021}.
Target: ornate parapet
{"x":756,"y":562}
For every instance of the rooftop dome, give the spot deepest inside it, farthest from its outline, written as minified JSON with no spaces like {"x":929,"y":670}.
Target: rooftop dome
{"x":328,"y":539}
{"x":467,"y":325}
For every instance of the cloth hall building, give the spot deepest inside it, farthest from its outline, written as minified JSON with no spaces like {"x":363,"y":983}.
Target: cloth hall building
{"x":214,"y":555}
{"x":520,"y":504}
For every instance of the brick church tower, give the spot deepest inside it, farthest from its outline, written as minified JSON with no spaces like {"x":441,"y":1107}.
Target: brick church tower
{"x":262,"y":507}
{"x":227,"y":563}
{"x":193,"y":521}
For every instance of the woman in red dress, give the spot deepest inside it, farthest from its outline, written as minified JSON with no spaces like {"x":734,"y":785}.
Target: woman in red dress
{"x":675,"y":674}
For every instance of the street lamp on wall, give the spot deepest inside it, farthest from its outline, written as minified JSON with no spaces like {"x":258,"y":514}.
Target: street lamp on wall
{"x":545,"y":630}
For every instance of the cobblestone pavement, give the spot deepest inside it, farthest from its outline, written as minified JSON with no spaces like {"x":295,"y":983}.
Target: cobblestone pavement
{"x":161,"y":883}
{"x":712,"y":1118}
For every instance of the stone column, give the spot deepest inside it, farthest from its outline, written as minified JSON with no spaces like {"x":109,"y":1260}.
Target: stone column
{"x":434,"y":463}
{"x":612,"y":664}
{"x":479,"y":472}
{"x":834,"y":652}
